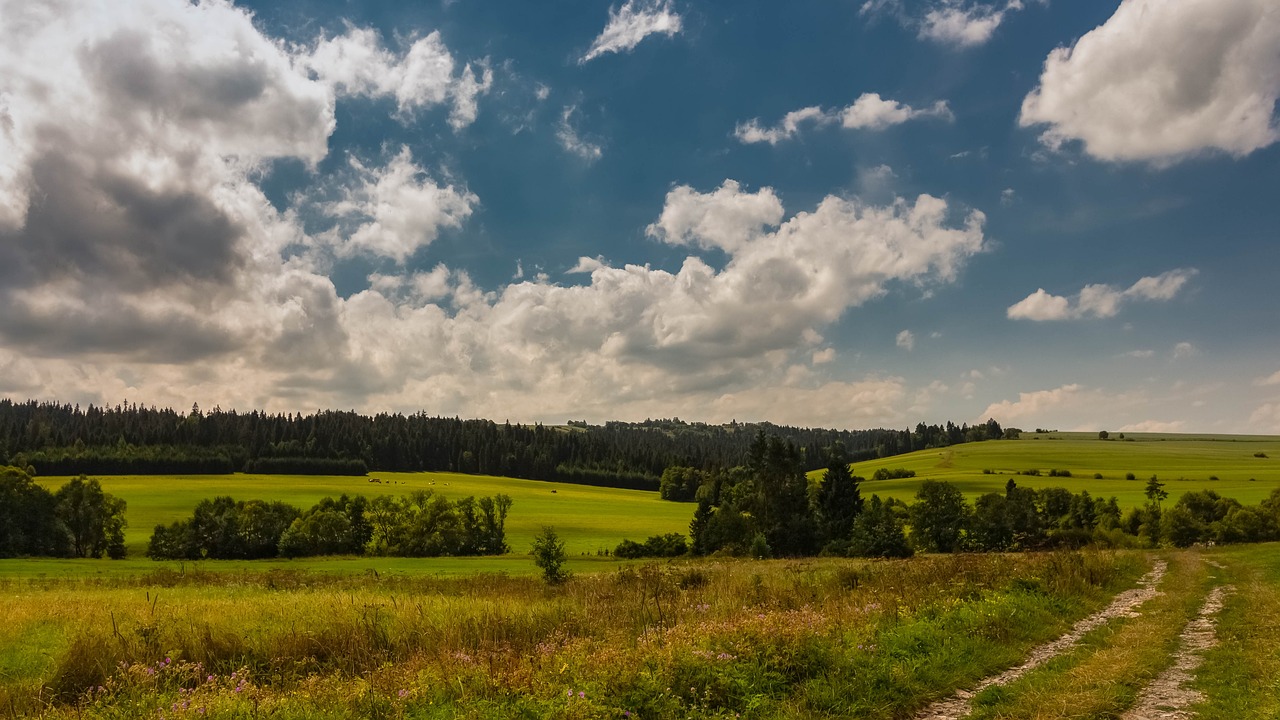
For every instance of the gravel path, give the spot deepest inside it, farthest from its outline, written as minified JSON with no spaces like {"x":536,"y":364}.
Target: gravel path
{"x":1124,"y":605}
{"x":1169,"y":695}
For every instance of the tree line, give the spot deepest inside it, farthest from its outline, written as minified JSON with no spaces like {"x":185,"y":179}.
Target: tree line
{"x":79,"y":520}
{"x":60,"y":439}
{"x":768,"y":508}
{"x":421,"y":524}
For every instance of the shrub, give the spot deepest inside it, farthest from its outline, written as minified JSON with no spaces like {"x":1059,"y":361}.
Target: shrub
{"x":1130,"y":476}
{"x":669,"y":545}
{"x":549,"y":555}
{"x":894,"y":474}
{"x":1097,"y":476}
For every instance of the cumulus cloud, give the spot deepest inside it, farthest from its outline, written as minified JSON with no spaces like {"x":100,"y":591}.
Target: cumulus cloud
{"x":631,"y":23}
{"x":357,"y":64}
{"x":151,"y":265}
{"x":1272,"y":379}
{"x":1100,"y":301}
{"x":726,"y":218}
{"x":1154,"y":426}
{"x":1162,"y":80}
{"x":1185,"y":350}
{"x":394,"y":210}
{"x":956,"y":23}
{"x":1266,"y":418}
{"x":573,"y":142}
{"x":906,"y":340}
{"x":964,"y":26}
{"x":868,"y":112}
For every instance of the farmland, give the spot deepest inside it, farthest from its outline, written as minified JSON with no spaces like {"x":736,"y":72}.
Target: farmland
{"x":753,"y":639}
{"x":482,"y":637}
{"x":593,"y":519}
{"x":1226,"y":464}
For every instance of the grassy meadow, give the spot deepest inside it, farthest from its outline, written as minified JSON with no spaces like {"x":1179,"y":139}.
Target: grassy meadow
{"x":1183,"y":462}
{"x":753,"y":639}
{"x":592,"y":519}
{"x":589,"y":519}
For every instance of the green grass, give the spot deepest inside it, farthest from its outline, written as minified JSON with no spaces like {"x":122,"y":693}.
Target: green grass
{"x":1103,"y":676}
{"x":1241,"y":676}
{"x":715,"y":639}
{"x":589,"y":519}
{"x":1183,"y":463}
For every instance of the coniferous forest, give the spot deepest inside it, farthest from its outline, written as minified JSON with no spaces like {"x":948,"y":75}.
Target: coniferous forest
{"x":58,"y":439}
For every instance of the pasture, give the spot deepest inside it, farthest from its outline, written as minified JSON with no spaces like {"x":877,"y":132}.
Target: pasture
{"x":589,"y":519}
{"x":1184,"y":463}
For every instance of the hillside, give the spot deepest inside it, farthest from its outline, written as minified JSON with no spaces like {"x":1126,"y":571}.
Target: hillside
{"x":1183,"y":462}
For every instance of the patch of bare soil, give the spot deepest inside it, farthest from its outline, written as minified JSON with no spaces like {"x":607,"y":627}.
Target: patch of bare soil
{"x":1124,"y":605}
{"x":1169,"y":695}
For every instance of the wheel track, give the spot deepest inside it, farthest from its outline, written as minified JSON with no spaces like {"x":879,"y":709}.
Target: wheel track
{"x":1169,"y":695}
{"x":1124,"y":604}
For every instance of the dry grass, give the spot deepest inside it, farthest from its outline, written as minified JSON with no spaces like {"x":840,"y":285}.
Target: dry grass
{"x":756,"y":639}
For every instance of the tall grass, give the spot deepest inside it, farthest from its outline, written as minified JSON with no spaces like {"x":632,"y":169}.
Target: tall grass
{"x":750,"y":639}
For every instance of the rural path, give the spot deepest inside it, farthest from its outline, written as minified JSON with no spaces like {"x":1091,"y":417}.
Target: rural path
{"x":1124,"y":605}
{"x":1169,"y":695}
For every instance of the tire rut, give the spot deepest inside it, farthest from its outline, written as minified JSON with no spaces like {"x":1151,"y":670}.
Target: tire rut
{"x":1169,"y":695}
{"x":1124,"y":604}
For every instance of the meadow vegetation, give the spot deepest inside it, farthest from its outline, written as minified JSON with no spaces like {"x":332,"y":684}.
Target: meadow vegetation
{"x":756,"y":639}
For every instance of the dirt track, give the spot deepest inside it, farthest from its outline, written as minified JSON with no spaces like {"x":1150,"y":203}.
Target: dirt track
{"x":1169,"y":695}
{"x":1124,"y":605}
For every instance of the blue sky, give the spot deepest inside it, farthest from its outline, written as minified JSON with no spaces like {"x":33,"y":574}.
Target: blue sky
{"x":849,"y":214}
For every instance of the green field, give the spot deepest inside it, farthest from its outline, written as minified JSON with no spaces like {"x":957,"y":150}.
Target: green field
{"x":590,"y":519}
{"x":1184,"y":463}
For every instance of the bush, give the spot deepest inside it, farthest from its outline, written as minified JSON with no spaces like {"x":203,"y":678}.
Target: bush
{"x":669,"y":545}
{"x":1130,"y":476}
{"x":549,"y":555}
{"x":1097,"y":476}
{"x":894,"y":474}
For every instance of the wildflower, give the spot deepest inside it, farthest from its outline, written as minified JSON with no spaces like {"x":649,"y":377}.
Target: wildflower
{"x":403,"y":693}
{"x":582,"y":694}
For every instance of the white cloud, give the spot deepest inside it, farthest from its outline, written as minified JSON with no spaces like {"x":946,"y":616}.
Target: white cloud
{"x":1154,"y":426}
{"x":868,"y":112}
{"x":957,"y":23}
{"x":872,"y":112}
{"x":572,"y":141}
{"x":395,"y":210}
{"x":1265,"y":419}
{"x":1185,"y":350}
{"x":1141,"y":354}
{"x":1162,"y":80}
{"x":751,"y":131}
{"x":1272,"y":379}
{"x":1038,"y":405}
{"x":631,"y":23}
{"x":1101,"y":301}
{"x":824,"y":356}
{"x":727,"y":218}
{"x":964,"y":26}
{"x":357,"y":64}
{"x":161,"y":114}
{"x":906,"y":340}
{"x":1040,"y":306}
{"x":1007,"y":196}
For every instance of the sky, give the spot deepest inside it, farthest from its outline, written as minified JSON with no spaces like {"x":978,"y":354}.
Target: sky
{"x":835,"y":213}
